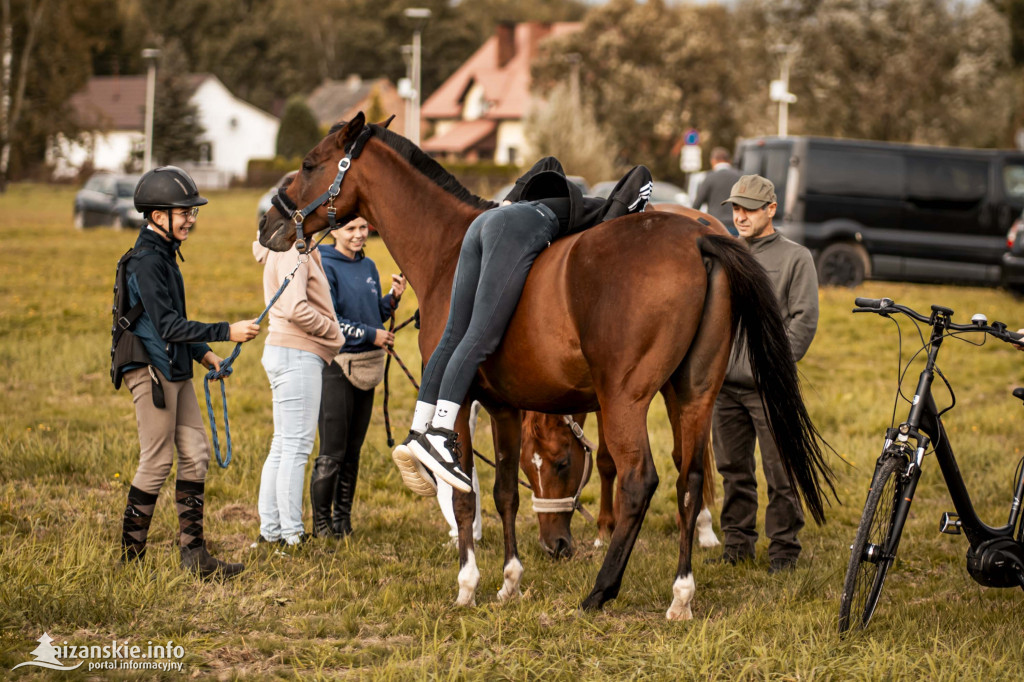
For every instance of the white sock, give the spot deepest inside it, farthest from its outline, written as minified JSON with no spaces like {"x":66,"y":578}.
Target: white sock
{"x":445,"y":414}
{"x":421,"y":416}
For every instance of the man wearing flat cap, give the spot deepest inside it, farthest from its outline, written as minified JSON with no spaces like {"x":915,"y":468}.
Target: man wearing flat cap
{"x":739,"y":418}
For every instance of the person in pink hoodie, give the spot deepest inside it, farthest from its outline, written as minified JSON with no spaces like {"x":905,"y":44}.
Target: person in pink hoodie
{"x":304,"y":336}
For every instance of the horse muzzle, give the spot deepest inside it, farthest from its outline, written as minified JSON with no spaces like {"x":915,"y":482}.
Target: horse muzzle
{"x":276,"y":232}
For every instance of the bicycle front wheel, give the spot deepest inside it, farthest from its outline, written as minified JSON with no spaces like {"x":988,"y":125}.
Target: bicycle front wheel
{"x":869,"y":563}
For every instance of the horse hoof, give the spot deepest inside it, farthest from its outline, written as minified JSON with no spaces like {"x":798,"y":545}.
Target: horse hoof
{"x":708,"y":543}
{"x":505,"y":596}
{"x":679,"y":613}
{"x":591,"y":603}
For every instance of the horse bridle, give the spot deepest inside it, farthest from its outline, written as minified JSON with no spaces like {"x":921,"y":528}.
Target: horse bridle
{"x":283,"y":203}
{"x":557,"y":505}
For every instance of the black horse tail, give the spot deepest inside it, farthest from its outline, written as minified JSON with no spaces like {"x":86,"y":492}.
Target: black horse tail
{"x":760,"y":325}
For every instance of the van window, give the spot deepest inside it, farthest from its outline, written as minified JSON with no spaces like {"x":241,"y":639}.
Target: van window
{"x":951,"y":181}
{"x":1013,"y":180}
{"x":849,"y":172}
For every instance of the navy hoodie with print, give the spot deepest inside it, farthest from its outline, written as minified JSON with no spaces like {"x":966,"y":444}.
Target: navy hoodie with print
{"x":355,"y":288}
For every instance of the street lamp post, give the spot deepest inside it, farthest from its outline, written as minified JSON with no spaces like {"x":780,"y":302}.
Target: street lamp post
{"x":419,"y":17}
{"x":779,"y":90}
{"x":151,"y":55}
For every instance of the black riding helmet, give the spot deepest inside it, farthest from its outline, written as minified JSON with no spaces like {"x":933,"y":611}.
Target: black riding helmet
{"x":164,"y":188}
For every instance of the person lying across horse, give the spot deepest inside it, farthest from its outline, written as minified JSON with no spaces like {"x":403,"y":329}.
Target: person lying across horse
{"x":496,"y":256}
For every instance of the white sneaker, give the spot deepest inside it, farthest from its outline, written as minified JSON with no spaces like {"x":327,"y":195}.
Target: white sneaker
{"x":438,"y":450}
{"x":415,"y":477}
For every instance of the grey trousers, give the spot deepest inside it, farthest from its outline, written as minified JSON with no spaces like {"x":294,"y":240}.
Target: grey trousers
{"x":739,"y":423}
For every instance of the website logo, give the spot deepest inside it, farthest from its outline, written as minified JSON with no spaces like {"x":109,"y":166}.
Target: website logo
{"x":46,"y":656}
{"x":113,"y":656}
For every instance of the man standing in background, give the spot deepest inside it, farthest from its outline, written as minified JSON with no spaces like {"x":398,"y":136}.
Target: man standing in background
{"x":739,"y":419}
{"x":715,"y":188}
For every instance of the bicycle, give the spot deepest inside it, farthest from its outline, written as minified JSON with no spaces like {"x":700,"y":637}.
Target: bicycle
{"x":996,"y":554}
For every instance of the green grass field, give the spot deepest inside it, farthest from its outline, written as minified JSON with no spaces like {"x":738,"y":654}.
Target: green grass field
{"x":380,"y":604}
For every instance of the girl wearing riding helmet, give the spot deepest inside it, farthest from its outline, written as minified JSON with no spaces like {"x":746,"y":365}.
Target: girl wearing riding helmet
{"x":166,"y":408}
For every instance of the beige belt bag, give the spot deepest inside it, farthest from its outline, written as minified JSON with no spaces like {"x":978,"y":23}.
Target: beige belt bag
{"x":363,"y":370}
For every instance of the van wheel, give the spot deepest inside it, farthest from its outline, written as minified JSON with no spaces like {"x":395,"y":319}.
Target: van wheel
{"x":843,"y":265}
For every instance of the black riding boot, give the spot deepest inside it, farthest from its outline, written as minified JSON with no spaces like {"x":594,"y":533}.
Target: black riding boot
{"x":344,"y":494}
{"x":321,"y":494}
{"x":189,"y":497}
{"x":138,"y":514}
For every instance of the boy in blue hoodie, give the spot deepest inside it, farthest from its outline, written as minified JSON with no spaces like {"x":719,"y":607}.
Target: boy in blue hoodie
{"x":348,"y":382}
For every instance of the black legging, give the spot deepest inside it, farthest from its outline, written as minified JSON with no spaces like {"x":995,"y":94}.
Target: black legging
{"x":344,"y":418}
{"x":497,"y":254}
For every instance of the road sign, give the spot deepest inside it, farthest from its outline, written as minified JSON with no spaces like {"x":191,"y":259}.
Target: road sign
{"x":692,"y":137}
{"x":690,"y":161}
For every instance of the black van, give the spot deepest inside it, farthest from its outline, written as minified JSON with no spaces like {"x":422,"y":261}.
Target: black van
{"x":894,"y":211}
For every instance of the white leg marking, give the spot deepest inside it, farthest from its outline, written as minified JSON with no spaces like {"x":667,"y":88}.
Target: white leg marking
{"x":469,"y":578}
{"x":538,"y":462}
{"x":513,"y":577}
{"x":682,"y":594}
{"x":705,"y":532}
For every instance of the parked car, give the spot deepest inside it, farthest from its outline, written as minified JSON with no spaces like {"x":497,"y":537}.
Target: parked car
{"x":662,"y":193}
{"x":264,"y":204}
{"x":575,"y":179}
{"x":894,"y":211}
{"x":107,"y":199}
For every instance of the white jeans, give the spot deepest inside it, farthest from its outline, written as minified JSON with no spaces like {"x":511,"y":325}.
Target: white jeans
{"x":296,"y":382}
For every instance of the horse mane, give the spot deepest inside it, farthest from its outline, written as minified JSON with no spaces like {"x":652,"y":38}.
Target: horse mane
{"x":422,"y":162}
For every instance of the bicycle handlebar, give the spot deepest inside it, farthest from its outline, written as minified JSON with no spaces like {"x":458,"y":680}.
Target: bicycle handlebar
{"x":885,"y":306}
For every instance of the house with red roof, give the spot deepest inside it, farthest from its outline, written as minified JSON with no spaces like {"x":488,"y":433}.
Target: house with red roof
{"x":341,"y":100}
{"x":479,"y":112}
{"x":111,"y":111}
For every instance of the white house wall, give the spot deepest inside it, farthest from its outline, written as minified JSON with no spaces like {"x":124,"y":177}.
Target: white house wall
{"x":235,"y":130}
{"x":511,"y":134}
{"x":105,"y":151}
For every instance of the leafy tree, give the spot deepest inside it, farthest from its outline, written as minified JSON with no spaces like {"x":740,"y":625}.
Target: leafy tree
{"x":47,"y":47}
{"x":299,"y":131}
{"x":888,"y":70}
{"x":650,"y":71}
{"x":565,"y":128}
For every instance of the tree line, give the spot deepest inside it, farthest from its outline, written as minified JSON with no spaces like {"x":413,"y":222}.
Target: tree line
{"x":629,"y":83}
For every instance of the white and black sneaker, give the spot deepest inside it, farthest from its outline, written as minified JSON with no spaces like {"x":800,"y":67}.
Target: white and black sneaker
{"x":438,"y":450}
{"x":415,"y":476}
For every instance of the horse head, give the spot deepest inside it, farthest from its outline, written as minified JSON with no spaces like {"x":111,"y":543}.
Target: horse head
{"x":554,"y":461}
{"x":323,"y":193}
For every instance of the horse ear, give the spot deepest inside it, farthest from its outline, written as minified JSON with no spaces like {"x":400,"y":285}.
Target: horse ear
{"x":351,"y":129}
{"x":386,"y":123}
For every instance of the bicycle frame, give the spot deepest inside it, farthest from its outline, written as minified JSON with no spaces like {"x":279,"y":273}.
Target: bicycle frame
{"x":924,"y":419}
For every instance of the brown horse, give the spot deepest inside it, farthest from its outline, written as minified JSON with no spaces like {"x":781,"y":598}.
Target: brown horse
{"x":608,"y":317}
{"x":555,"y":460}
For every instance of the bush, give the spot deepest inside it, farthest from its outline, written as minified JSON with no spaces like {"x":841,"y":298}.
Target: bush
{"x":299,"y":131}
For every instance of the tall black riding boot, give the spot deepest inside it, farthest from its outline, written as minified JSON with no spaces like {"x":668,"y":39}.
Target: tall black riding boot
{"x":138,"y":514}
{"x":344,"y":494}
{"x":189,"y":496}
{"x":321,"y":494}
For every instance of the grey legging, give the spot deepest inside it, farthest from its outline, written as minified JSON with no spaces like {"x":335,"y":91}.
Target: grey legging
{"x":497,"y":254}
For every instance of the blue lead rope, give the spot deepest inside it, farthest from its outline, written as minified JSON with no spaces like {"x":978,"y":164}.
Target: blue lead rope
{"x":225,"y":371}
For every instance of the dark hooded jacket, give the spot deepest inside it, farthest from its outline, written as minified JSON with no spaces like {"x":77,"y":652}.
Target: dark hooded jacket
{"x":546,"y":180}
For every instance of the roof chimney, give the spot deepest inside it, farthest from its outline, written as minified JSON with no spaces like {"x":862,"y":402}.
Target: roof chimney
{"x":506,"y":32}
